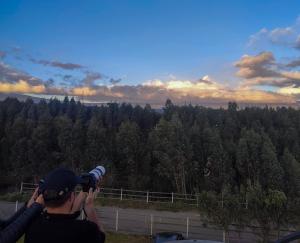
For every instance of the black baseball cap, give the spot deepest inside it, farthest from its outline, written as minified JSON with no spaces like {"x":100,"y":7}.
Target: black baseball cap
{"x":58,"y":184}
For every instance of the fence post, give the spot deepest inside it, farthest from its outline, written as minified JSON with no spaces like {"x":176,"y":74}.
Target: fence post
{"x":151,"y":224}
{"x":187,"y":227}
{"x":147,"y":196}
{"x":21,"y":188}
{"x":224,"y":236}
{"x":172,"y":197}
{"x":121,"y":194}
{"x":117,"y":220}
{"x":16,"y":208}
{"x":197,"y":198}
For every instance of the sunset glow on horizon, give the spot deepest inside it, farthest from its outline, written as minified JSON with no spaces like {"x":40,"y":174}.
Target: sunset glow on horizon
{"x":147,"y":54}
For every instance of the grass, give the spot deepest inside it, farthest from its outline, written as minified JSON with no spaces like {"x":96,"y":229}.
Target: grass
{"x":15,"y":196}
{"x":173,"y":207}
{"x":119,"y":238}
{"x":124,"y":238}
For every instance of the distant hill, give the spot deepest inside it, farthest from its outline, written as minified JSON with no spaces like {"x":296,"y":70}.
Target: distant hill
{"x":20,"y":97}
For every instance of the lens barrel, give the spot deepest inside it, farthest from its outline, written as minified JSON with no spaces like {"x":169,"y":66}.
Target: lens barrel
{"x":98,"y":172}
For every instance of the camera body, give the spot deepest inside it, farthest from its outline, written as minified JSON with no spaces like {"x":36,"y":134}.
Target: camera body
{"x":91,"y":179}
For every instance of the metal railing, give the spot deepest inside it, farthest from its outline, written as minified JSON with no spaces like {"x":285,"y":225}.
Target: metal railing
{"x":134,"y":195}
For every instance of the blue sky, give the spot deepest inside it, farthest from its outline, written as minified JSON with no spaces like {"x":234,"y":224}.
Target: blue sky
{"x":140,"y":41}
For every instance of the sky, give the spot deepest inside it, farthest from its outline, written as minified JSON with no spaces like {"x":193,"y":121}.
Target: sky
{"x":145,"y":51}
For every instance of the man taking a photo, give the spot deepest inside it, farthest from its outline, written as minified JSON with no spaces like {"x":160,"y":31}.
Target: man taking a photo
{"x":59,"y":222}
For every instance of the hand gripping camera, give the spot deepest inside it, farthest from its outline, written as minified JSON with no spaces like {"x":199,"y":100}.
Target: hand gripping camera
{"x":91,"y":179}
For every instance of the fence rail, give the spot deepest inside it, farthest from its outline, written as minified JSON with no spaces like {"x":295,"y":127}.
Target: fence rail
{"x":141,"y":196}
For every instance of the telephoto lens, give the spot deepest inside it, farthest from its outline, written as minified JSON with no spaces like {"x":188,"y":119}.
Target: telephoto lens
{"x":98,"y":173}
{"x":91,"y":179}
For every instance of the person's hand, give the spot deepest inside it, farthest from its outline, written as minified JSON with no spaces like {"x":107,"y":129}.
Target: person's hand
{"x":78,"y":202}
{"x":89,"y":202}
{"x":89,"y":208}
{"x":36,"y":198}
{"x":33,"y":197}
{"x":40,"y":200}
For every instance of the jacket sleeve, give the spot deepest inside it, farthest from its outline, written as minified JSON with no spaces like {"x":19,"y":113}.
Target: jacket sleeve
{"x":17,"y":228}
{"x":6,"y":222}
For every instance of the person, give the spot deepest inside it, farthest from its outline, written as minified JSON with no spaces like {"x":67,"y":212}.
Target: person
{"x":14,"y":227}
{"x":59,"y":223}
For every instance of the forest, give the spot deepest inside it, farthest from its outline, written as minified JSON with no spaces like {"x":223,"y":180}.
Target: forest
{"x":239,"y":156}
{"x":185,"y":149}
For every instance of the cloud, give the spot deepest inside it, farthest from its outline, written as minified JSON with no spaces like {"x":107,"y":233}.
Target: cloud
{"x":12,"y":75}
{"x":206,"y":79}
{"x":257,"y":37}
{"x":294,"y":63}
{"x":2,"y":54}
{"x":257,"y":70}
{"x":21,"y":86}
{"x":204,"y":91}
{"x":290,"y":90}
{"x":91,"y":77}
{"x":262,"y":69}
{"x":284,"y":36}
{"x":115,"y":81}
{"x":260,"y":65}
{"x":67,"y":77}
{"x":57,"y":64}
{"x":156,"y":91}
{"x":84,"y":91}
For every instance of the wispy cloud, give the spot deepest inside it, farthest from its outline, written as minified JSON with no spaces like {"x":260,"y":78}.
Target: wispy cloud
{"x":11,"y":75}
{"x":115,"y":81}
{"x":285,"y":36}
{"x":57,"y":64}
{"x":2,"y":54}
{"x":91,"y":77}
{"x":294,"y":63}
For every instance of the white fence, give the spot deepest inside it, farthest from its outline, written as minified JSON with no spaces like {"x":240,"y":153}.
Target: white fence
{"x":141,"y":196}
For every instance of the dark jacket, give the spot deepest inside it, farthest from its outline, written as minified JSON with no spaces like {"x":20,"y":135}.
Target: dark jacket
{"x":63,"y":228}
{"x":13,"y":228}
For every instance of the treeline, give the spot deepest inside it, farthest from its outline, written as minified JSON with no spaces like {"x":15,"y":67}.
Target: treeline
{"x":186,"y":149}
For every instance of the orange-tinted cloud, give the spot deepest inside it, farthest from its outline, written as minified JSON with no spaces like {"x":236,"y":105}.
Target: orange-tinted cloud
{"x":180,"y":91}
{"x":21,"y":87}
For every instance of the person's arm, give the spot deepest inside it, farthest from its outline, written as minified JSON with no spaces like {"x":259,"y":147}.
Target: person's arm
{"x":90,"y":209}
{"x":17,"y":228}
{"x":5,"y":223}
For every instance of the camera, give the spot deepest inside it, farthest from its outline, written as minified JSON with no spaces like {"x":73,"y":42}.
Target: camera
{"x":91,"y":179}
